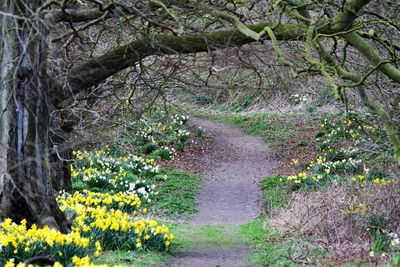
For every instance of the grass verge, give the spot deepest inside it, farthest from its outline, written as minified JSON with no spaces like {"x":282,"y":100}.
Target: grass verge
{"x":269,"y":247}
{"x":271,"y":127}
{"x":176,"y":194}
{"x":275,"y":193}
{"x":132,"y":258}
{"x":205,"y":236}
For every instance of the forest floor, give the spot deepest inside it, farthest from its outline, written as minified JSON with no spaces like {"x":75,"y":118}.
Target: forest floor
{"x":229,"y":201}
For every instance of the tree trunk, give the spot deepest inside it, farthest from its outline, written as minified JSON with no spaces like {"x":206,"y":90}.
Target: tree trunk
{"x":26,"y":190}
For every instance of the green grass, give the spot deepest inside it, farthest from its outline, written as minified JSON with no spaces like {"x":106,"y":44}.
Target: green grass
{"x":273,"y":249}
{"x":132,"y":258}
{"x":191,"y":236}
{"x":176,"y":195}
{"x":275,"y":192}
{"x":274,"y":132}
{"x":269,"y":247}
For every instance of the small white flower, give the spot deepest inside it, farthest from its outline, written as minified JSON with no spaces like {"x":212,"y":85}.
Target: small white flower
{"x":395,"y":242}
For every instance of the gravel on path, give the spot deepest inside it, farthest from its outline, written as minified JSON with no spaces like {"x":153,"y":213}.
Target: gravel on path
{"x":231,"y":194}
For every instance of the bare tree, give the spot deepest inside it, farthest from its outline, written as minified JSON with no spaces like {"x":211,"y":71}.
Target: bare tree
{"x":328,"y":30}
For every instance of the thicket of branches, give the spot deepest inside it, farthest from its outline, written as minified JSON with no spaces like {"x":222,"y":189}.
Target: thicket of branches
{"x":61,"y":58}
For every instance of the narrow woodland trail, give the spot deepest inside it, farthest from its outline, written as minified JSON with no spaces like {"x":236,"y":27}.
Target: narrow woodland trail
{"x":230,"y":194}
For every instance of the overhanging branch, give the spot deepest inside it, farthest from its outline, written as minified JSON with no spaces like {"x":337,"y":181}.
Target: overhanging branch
{"x":97,"y":70}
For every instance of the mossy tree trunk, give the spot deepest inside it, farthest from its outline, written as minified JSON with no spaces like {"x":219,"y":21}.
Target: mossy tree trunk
{"x":26,"y":190}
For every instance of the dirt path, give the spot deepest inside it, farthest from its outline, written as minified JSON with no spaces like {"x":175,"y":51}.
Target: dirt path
{"x":231,"y":195}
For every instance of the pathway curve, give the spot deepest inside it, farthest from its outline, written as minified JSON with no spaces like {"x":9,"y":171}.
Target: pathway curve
{"x":230,"y":195}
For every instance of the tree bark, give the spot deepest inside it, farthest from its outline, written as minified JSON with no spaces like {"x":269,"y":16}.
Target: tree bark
{"x":94,"y":71}
{"x":98,"y":69}
{"x":26,"y":190}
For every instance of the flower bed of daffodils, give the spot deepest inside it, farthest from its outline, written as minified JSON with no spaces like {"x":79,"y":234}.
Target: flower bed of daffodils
{"x":348,"y":147}
{"x":345,"y":144}
{"x":101,"y":221}
{"x":107,"y":212}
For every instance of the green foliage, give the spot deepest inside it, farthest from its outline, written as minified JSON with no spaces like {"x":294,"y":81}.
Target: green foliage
{"x":176,"y":194}
{"x":199,"y":133}
{"x":275,"y":194}
{"x":344,"y":141}
{"x":268,"y":246}
{"x":164,"y":153}
{"x":396,"y":259}
{"x":244,"y":102}
{"x":191,"y":236}
{"x":252,"y":231}
{"x":148,"y":148}
{"x":204,"y":99}
{"x":311,"y":109}
{"x":180,"y":147}
{"x":157,"y":128}
{"x":379,"y":238}
{"x":272,"y":250}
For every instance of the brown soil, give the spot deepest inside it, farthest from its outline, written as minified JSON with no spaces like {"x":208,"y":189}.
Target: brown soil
{"x":300,"y":146}
{"x":234,"y":164}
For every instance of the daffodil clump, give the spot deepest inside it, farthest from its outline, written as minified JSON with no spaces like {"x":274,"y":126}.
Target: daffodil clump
{"x":100,"y":170}
{"x":86,"y":262}
{"x":123,"y":201}
{"x":159,"y":127}
{"x":355,"y":209}
{"x":76,"y":262}
{"x":355,"y":127}
{"x":20,"y":242}
{"x":100,"y":222}
{"x":103,"y":163}
{"x":362,"y":180}
{"x":116,"y":229}
{"x":183,"y":135}
{"x":158,"y":134}
{"x":345,"y":142}
{"x":321,"y":172}
{"x":322,"y":165}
